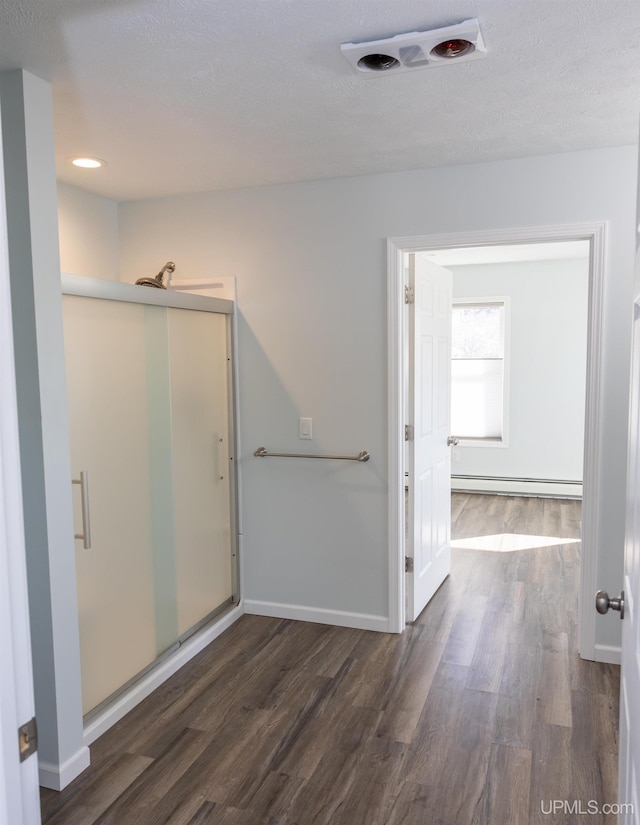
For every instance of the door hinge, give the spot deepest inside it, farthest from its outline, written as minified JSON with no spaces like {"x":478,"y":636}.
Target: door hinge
{"x":408,"y":432}
{"x":409,"y":295}
{"x":408,"y":564}
{"x":28,"y":738}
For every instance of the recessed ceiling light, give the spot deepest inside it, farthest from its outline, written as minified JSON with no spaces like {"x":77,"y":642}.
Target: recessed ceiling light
{"x":88,"y":163}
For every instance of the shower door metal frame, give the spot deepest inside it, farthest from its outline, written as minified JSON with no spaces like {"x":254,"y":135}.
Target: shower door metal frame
{"x":130,"y":293}
{"x":85,"y":287}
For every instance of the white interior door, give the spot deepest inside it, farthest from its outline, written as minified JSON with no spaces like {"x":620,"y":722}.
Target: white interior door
{"x":428,"y":456}
{"x":629,"y":755}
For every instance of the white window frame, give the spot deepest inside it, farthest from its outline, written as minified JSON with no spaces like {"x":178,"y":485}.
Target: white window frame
{"x":505,"y":300}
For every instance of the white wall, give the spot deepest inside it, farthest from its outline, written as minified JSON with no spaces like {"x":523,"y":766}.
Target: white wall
{"x":547,"y":362}
{"x":19,"y":798}
{"x":88,"y":234}
{"x":36,"y":305}
{"x":310,"y":260}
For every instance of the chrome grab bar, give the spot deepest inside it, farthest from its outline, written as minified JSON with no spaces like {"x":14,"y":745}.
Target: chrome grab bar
{"x":83,"y":481}
{"x":262,"y":452}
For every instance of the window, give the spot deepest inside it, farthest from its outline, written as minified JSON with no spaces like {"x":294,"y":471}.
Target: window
{"x":478,"y":370}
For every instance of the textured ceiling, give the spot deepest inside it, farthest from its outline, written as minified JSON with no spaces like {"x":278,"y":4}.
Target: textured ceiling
{"x":194,"y":95}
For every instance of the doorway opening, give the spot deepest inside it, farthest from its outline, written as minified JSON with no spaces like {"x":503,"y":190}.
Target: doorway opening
{"x":470,"y":255}
{"x":519,"y":350}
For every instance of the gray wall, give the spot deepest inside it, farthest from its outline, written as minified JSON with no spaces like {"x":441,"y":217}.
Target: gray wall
{"x":310,"y":260}
{"x":88,"y":234}
{"x":27,"y":132}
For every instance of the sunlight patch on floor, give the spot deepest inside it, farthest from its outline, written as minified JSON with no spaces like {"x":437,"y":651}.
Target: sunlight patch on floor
{"x":508,"y":542}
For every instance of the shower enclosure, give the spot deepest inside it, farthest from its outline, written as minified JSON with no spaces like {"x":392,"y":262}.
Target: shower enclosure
{"x":150,"y":394}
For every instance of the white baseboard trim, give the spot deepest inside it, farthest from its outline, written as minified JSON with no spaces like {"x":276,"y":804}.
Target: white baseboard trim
{"x":148,"y":683}
{"x":57,"y":777}
{"x":302,"y":613}
{"x":516,"y":486}
{"x":608,"y":654}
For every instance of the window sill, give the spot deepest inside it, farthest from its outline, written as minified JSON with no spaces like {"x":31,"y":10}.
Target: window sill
{"x":500,"y":443}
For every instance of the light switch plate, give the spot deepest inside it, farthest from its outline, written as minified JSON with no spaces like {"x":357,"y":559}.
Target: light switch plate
{"x":306,"y":428}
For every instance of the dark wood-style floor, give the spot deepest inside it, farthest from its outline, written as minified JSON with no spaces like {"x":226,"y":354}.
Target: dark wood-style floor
{"x":481,"y":712}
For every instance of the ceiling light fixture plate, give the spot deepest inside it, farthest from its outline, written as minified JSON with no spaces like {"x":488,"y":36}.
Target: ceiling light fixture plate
{"x":416,"y":50}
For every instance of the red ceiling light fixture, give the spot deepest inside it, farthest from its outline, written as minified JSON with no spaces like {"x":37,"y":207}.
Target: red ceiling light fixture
{"x":417,"y":50}
{"x":452,"y":48}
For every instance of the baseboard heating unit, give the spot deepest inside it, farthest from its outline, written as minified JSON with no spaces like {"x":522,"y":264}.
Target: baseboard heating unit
{"x":498,"y":485}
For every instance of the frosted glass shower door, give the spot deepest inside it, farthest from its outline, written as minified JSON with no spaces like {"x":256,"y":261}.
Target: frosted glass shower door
{"x":108,"y":412}
{"x":149,"y":412}
{"x":198,"y":361}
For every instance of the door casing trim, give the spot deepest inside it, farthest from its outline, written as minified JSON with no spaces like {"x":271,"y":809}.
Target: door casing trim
{"x":594,"y":232}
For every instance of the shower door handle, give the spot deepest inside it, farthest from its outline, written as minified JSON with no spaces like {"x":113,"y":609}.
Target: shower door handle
{"x":83,"y":481}
{"x":220,"y":457}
